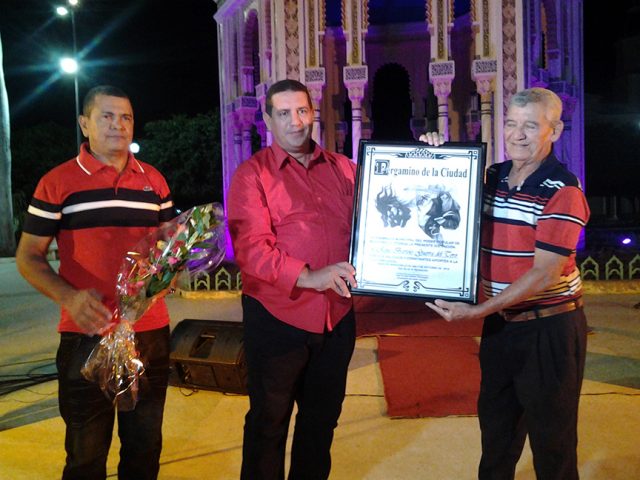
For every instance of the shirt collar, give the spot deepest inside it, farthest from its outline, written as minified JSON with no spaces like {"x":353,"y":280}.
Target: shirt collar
{"x":543,"y":171}
{"x":90,"y":164}
{"x":281,"y":156}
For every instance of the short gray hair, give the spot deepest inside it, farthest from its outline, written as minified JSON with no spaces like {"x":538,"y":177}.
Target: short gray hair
{"x":549,"y":99}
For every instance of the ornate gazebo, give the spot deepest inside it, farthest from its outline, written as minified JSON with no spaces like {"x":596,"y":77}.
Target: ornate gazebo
{"x":391,"y":70}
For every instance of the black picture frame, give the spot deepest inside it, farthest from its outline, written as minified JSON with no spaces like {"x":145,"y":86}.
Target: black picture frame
{"x":416,"y":220}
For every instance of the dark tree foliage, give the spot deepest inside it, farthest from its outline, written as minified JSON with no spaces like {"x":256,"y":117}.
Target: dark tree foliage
{"x":187,"y":152}
{"x":36,"y":150}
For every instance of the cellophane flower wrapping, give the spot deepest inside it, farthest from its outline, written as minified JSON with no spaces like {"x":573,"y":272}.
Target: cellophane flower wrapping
{"x":192,"y":242}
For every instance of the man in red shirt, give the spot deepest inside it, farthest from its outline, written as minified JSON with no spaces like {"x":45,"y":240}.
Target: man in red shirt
{"x":289,"y":212}
{"x":97,"y":206}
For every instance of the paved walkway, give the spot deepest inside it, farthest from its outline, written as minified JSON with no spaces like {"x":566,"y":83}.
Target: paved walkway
{"x":203,"y":430}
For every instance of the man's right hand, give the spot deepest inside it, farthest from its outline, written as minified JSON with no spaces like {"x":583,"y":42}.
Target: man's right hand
{"x":87,"y":311}
{"x":84,"y":306}
{"x":337,"y":277}
{"x":432,"y":138}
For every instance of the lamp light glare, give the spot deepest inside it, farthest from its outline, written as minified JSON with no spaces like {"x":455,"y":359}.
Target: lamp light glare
{"x":62,"y":11}
{"x":68,"y":65}
{"x":73,"y":3}
{"x":134,"y":148}
{"x":626,"y":241}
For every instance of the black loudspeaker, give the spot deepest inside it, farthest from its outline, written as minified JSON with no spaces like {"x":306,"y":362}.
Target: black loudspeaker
{"x":208,"y":354}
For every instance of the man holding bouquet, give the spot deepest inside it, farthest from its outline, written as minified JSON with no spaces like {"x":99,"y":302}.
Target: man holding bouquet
{"x":97,"y":206}
{"x":289,"y":213}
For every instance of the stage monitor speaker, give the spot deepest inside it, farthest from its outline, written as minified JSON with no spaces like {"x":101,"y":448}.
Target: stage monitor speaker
{"x":208,"y":354}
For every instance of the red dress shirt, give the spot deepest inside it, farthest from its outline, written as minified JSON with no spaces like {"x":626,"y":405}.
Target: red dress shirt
{"x":283,"y":216}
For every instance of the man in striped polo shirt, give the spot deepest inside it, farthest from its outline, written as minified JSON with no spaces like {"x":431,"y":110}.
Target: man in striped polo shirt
{"x":97,"y":206}
{"x":533,"y":345}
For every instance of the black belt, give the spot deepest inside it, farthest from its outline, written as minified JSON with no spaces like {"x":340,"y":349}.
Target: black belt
{"x":541,"y":312}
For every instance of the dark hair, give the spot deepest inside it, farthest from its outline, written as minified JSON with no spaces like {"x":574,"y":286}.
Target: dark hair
{"x":287,"y":85}
{"x":107,"y":90}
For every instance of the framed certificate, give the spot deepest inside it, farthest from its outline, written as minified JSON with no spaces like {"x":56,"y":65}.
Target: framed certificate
{"x":416,"y":222}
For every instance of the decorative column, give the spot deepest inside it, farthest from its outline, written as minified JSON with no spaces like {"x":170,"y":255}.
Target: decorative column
{"x":441,"y":75}
{"x":315,"y":82}
{"x":248,"y":29}
{"x":261,"y":96}
{"x":245,"y":111}
{"x":285,"y":39}
{"x":237,"y":146}
{"x":314,"y":74}
{"x":247,"y":80}
{"x":264,"y":31}
{"x":231,"y":150}
{"x":355,"y":79}
{"x":232,"y":157}
{"x":355,"y":75}
{"x":483,"y":72}
{"x":227,"y":26}
{"x":261,"y":127}
{"x":441,"y":68}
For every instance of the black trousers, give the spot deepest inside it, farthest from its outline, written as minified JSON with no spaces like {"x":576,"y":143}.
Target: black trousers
{"x":89,"y":416}
{"x":287,"y":365}
{"x":531,"y":378}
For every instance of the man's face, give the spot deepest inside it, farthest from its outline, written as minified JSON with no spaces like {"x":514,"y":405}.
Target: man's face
{"x":528,"y":133}
{"x":109,"y":125}
{"x":291,"y":121}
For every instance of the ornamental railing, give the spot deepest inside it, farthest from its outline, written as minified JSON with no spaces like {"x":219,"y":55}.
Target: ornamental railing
{"x":609,"y":266}
{"x":594,"y":266}
{"x":226,"y":277}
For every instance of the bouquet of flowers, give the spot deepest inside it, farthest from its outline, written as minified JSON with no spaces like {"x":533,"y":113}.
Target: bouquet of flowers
{"x":192,"y":242}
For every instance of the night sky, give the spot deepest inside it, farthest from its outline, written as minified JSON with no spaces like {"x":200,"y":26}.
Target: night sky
{"x":164,"y":54}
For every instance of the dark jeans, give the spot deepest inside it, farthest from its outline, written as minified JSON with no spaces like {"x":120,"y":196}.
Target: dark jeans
{"x":89,"y":415}
{"x":287,"y":365}
{"x":531,"y":378}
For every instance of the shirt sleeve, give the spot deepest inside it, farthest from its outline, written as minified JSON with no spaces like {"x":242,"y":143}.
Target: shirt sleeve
{"x":254,"y":241}
{"x":45,"y":210}
{"x":562,"y":220}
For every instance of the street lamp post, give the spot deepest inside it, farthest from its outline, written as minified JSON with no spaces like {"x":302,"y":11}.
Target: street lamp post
{"x":70,"y":65}
{"x":64,"y":11}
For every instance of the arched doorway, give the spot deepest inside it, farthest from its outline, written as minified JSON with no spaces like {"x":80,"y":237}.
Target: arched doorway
{"x":391,"y":106}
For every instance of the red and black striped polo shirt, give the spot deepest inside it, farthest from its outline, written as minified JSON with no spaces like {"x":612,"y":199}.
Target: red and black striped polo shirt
{"x":548,"y":211}
{"x":96,"y":215}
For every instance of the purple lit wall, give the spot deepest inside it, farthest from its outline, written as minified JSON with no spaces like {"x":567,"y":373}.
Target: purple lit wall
{"x":494,"y":48}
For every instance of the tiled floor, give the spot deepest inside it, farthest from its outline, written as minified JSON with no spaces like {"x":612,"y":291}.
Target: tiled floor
{"x":203,"y":430}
